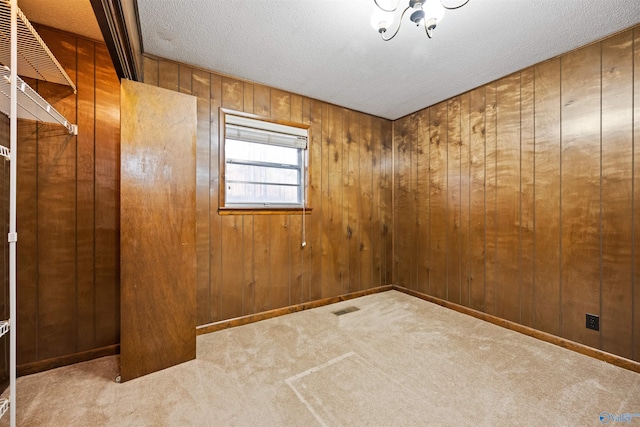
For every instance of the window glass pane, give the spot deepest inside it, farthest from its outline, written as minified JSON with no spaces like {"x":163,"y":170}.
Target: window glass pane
{"x":241,"y":150}
{"x":262,"y":193}
{"x":250,"y":173}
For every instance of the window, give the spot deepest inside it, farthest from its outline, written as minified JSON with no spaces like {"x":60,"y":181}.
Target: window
{"x":263,"y":163}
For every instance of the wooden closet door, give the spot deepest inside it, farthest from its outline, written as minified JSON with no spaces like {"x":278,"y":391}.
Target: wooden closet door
{"x":158,"y":260}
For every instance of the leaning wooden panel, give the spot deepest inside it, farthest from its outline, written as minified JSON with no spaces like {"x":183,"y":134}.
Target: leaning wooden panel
{"x":158,"y":272}
{"x":617,"y":194}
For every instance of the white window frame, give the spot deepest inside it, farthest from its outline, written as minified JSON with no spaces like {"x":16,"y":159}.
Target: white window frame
{"x":269,"y":132}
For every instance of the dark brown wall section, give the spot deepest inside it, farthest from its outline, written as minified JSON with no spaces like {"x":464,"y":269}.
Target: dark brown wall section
{"x":521,"y":198}
{"x":68,"y":210}
{"x":251,"y":263}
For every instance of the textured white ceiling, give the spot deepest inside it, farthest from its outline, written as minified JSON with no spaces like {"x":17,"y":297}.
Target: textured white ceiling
{"x":74,"y":16}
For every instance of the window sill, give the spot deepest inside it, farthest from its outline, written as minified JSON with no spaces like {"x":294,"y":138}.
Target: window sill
{"x":262,"y":211}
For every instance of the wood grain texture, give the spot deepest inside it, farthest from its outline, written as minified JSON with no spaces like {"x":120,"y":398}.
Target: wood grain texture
{"x":454,"y":226}
{"x":507,"y":283}
{"x":477,"y":199}
{"x":552,"y":193}
{"x":158,"y":257}
{"x":527,"y":193}
{"x":635,"y":327}
{"x":422,"y":201}
{"x":85,"y":198}
{"x":617,"y":195}
{"x":465,"y":221}
{"x":438,"y":200}
{"x":491,"y":197}
{"x":546,"y":305}
{"x":68,"y":214}
{"x":580,"y":194}
{"x":107,"y":188}
{"x":57,"y":151}
{"x":404,"y":203}
{"x":352,"y":199}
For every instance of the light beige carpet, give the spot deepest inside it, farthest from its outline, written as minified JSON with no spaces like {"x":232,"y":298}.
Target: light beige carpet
{"x":398,"y":361}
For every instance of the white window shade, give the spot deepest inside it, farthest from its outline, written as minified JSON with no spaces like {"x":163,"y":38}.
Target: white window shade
{"x":262,"y":132}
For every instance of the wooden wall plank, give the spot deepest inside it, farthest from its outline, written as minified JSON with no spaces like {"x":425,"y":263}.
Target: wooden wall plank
{"x":201,"y":87}
{"x":169,"y":75}
{"x":546,"y":311}
{"x":477,"y":198}
{"x":279,"y":260}
{"x":636,"y":196}
{"x":315,"y":225}
{"x":386,"y":199}
{"x":85,"y":201}
{"x":57,"y":152}
{"x":453,"y":191}
{"x":351,"y":198}
{"x":422,"y":201}
{"x":404,"y":220}
{"x":107,"y":220}
{"x":580,"y":195}
{"x":261,"y":100}
{"x":527,"y":152}
{"x":377,"y":215}
{"x":465,"y":187}
{"x":491,"y":224}
{"x":232,"y":285}
{"x":617,"y":195}
{"x":308,"y":231}
{"x":27,"y":250}
{"x":508,"y":198}
{"x":215,"y":224}
{"x":365,"y":203}
{"x":185,"y":79}
{"x":150,"y":72}
{"x":438,"y":200}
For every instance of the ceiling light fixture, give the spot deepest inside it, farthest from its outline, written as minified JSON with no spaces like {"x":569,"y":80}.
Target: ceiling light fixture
{"x":427,"y":13}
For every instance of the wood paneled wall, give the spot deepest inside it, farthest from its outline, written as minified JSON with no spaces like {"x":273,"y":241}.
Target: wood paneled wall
{"x":521,"y":198}
{"x":68,"y":210}
{"x":251,"y":263}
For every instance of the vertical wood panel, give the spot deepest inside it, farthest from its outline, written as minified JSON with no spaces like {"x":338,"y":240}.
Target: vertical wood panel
{"x":438,"y":200}
{"x":617,"y":194}
{"x":636,"y":196}
{"x":508,"y":198}
{"x":527,"y":152}
{"x":57,"y":151}
{"x":232,"y":286}
{"x":351,"y":199}
{"x":581,"y":208}
{"x":150,"y":71}
{"x":365,"y":194}
{"x":422,"y":201}
{"x":546,"y":312}
{"x":491,"y":158}
{"x":86,"y":195}
{"x":27,"y":250}
{"x":477,"y":198}
{"x":316,"y":227}
{"x":454,"y":278}
{"x":248,"y":279}
{"x":107,"y":220}
{"x":404,"y":219}
{"x":377,"y":221}
{"x":201,"y":87}
{"x":168,"y":75}
{"x":386,"y":203}
{"x":465,"y":225}
{"x":215,"y":224}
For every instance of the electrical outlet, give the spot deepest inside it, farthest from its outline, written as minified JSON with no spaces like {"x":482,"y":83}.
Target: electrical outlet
{"x":593,"y":322}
